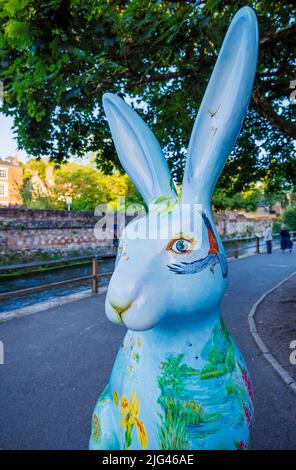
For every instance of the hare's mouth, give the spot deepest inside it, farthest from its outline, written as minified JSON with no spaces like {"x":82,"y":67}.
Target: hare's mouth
{"x":119,"y":310}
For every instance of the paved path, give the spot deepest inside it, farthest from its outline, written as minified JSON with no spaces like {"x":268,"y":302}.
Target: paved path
{"x":275,"y":322}
{"x":275,"y":404}
{"x":57,"y":361}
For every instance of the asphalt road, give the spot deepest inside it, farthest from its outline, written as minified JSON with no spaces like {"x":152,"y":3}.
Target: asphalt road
{"x":57,"y":362}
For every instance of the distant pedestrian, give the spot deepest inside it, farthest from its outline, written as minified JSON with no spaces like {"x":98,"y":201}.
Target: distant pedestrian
{"x":286,"y":242}
{"x":268,"y":239}
{"x":115,"y":237}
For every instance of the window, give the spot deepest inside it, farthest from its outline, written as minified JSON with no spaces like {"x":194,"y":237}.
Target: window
{"x":3,"y":190}
{"x":3,"y":173}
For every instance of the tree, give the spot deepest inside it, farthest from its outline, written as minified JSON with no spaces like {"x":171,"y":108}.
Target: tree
{"x":87,"y":187}
{"x":248,"y":201}
{"x":58,"y":58}
{"x":289,"y":217}
{"x":32,"y":166}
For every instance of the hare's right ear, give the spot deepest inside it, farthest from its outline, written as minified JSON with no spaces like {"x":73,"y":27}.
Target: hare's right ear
{"x":138,"y":150}
{"x":223,"y":108}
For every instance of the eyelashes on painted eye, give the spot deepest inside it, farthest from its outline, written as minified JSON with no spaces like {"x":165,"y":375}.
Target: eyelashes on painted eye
{"x":180,"y":246}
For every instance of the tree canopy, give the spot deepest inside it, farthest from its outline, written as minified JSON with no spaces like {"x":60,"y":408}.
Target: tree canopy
{"x":57,"y":58}
{"x":86,"y":186}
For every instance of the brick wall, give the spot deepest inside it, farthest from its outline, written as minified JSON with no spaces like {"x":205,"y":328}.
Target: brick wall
{"x":31,"y":234}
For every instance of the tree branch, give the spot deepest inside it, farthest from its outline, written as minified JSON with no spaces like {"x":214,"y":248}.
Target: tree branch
{"x":157,"y":78}
{"x":281,"y":35}
{"x":264,"y":107}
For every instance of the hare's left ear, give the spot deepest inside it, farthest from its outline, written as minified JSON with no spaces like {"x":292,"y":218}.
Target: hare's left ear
{"x":138,"y":150}
{"x":223,"y":108}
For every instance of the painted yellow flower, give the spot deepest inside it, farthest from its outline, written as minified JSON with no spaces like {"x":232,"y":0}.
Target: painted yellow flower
{"x":129,"y":413}
{"x":116,"y":398}
{"x":139,"y":342}
{"x":134,"y":404}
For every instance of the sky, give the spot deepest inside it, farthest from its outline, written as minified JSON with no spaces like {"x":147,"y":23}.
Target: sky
{"x":8,"y":144}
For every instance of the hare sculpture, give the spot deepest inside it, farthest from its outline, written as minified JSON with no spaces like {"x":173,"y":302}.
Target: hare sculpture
{"x":179,"y":381}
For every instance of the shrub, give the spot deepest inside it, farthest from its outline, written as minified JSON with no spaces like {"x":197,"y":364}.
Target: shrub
{"x":276,"y":226}
{"x":289,"y":217}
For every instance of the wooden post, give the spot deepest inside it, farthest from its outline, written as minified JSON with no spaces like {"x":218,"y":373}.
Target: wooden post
{"x":236,"y":248}
{"x":257,"y":245}
{"x":95,"y":272}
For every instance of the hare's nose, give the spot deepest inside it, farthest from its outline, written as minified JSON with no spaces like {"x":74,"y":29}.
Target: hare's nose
{"x":120,"y":294}
{"x":119,"y":308}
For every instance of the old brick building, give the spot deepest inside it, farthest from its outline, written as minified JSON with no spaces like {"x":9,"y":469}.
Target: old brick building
{"x":11,"y":178}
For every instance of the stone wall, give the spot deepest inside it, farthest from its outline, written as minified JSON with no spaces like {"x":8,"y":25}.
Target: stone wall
{"x":31,"y":235}
{"x":241,"y":223}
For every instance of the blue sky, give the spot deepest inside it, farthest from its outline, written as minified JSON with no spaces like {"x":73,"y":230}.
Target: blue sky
{"x":8,"y":145}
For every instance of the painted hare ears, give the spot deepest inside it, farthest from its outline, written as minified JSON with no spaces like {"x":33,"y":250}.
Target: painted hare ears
{"x":223,"y":108}
{"x":138,"y":150}
{"x":216,"y":128}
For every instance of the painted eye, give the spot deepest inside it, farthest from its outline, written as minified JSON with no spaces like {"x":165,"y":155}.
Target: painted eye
{"x":180,"y":246}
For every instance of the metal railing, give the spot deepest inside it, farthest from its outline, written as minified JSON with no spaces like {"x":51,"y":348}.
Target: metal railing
{"x":259,"y":242}
{"x":93,"y":278}
{"x":236,"y":251}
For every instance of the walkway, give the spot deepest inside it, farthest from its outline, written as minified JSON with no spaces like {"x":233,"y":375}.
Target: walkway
{"x":57,"y":362}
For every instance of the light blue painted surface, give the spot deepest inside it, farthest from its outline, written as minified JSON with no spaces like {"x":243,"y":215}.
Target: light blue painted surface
{"x":179,"y":381}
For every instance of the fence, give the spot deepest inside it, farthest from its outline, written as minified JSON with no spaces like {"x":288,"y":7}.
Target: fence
{"x":234,"y":247}
{"x":93,"y":278}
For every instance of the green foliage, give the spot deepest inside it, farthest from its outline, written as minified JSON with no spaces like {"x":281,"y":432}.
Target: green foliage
{"x":36,"y":200}
{"x":171,"y":381}
{"x":219,"y":352}
{"x":178,"y":412}
{"x":82,"y":184}
{"x":232,"y":388}
{"x":172,"y":431}
{"x":192,"y":413}
{"x":272,"y":197}
{"x":276,"y":226}
{"x":87,"y":186}
{"x":35,"y":166}
{"x":58,"y":58}
{"x":248,"y":201}
{"x":44,"y":203}
{"x":289,"y":217}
